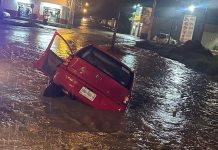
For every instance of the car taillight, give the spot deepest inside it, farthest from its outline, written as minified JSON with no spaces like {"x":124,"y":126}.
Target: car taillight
{"x":66,"y":62}
{"x":126,"y":100}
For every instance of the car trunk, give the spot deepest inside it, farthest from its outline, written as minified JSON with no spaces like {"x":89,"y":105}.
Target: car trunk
{"x":97,"y":80}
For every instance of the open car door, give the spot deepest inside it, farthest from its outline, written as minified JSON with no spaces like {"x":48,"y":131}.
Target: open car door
{"x":57,"y":51}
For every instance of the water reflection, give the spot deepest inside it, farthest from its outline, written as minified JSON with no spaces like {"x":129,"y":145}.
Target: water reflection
{"x":60,"y":48}
{"x":172,"y":103}
{"x":130,"y":60}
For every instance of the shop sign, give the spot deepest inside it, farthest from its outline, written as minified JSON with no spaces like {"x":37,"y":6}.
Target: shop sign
{"x":187,"y":28}
{"x":138,"y":13}
{"x":137,"y":18}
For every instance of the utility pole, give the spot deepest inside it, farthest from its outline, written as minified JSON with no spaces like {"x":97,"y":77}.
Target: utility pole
{"x":72,"y":6}
{"x":152,"y":19}
{"x":115,"y":31}
{"x":203,"y":23}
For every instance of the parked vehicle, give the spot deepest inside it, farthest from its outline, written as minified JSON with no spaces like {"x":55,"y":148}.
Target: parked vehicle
{"x":90,"y":74}
{"x":163,"y":38}
{"x":215,"y":47}
{"x":4,"y":14}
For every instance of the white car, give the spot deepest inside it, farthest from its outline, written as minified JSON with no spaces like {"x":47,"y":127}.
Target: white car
{"x":163,"y":38}
{"x":4,"y":14}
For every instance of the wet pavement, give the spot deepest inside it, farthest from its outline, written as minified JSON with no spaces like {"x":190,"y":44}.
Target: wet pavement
{"x":172,"y":107}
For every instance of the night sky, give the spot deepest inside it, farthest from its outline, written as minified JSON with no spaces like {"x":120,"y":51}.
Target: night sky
{"x":107,"y":9}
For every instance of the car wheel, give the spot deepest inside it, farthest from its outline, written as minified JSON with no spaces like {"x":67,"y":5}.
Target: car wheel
{"x":53,"y":90}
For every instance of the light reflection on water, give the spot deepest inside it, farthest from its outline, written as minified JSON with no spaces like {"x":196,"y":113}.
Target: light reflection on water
{"x":130,"y":60}
{"x":170,"y":102}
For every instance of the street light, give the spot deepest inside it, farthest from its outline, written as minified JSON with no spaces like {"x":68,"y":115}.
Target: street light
{"x":135,"y":6}
{"x":84,"y":10}
{"x":87,"y":4}
{"x":191,"y":8}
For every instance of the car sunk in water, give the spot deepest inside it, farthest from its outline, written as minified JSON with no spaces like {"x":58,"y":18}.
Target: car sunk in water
{"x":90,"y":75}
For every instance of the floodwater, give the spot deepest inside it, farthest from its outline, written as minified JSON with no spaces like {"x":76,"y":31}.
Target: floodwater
{"x":172,"y":106}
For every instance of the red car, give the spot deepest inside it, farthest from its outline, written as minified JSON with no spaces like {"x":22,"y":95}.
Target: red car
{"x":90,"y":75}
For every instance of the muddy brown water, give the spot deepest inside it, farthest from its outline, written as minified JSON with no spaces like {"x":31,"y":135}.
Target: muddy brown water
{"x":172,"y":106}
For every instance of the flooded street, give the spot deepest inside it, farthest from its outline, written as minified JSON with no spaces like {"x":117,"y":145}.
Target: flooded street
{"x":172,"y":106}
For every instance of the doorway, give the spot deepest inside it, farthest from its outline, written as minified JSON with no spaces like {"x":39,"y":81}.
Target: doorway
{"x":52,"y":14}
{"x":24,"y":10}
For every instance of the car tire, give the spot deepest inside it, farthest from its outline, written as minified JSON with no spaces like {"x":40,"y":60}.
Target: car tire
{"x":53,"y":90}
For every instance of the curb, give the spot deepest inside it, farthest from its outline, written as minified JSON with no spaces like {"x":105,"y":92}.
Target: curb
{"x":24,"y":24}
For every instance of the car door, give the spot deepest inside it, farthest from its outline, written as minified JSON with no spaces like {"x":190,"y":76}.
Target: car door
{"x":57,"y":51}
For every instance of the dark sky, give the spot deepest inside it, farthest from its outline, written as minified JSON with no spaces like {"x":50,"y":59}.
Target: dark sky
{"x":107,"y":9}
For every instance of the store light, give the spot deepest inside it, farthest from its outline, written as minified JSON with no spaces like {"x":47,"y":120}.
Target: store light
{"x":191,"y":8}
{"x":44,"y":4}
{"x":84,"y":10}
{"x":86,"y":4}
{"x":24,"y":1}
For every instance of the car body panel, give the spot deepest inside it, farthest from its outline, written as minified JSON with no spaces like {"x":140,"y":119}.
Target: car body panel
{"x":73,"y":84}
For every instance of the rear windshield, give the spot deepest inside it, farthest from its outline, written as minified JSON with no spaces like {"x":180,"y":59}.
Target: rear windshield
{"x":108,"y":65}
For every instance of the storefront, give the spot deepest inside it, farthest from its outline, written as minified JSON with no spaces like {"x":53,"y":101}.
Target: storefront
{"x":136,"y":29}
{"x":52,"y":12}
{"x":18,"y":8}
{"x":136,"y":25}
{"x":55,"y":11}
{"x":24,"y":9}
{"x":141,"y":22}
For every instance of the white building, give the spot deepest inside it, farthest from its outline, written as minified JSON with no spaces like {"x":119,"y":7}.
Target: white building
{"x":55,"y":10}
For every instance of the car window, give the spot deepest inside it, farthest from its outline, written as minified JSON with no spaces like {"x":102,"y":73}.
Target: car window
{"x":60,"y":48}
{"x":108,"y":65}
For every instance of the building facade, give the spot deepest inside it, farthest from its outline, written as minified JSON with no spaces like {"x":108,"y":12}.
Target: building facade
{"x":141,"y":22}
{"x":210,"y":37}
{"x":55,"y":11}
{"x":136,"y":22}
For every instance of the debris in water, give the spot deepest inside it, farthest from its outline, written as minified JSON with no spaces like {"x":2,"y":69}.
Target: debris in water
{"x":174,"y":111}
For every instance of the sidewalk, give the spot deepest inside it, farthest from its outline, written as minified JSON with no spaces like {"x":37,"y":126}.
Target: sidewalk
{"x":25,"y":23}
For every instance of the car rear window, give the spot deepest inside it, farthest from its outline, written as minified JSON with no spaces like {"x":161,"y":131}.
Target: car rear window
{"x":108,"y":65}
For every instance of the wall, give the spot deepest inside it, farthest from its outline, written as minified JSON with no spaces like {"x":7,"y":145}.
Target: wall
{"x":167,"y":25}
{"x":210,"y":36}
{"x":58,"y":2}
{"x":11,"y":5}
